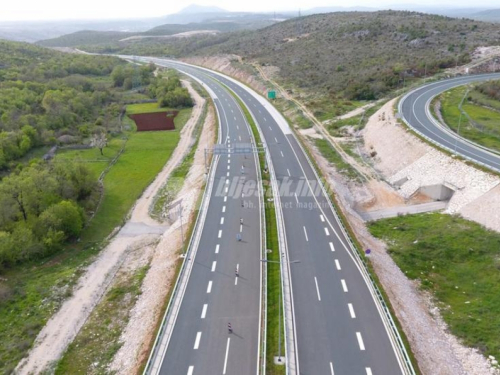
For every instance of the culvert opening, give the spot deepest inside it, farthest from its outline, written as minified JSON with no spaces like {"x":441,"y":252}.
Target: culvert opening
{"x":437,"y":192}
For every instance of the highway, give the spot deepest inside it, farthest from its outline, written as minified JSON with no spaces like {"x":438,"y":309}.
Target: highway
{"x":339,"y":325}
{"x":224,"y":284}
{"x":414,"y":108}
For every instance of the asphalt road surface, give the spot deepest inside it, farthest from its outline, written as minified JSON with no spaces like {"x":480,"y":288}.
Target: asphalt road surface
{"x":414,"y":108}
{"x":215,"y":296}
{"x":339,"y":327}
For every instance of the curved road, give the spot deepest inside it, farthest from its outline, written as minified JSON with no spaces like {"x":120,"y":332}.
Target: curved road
{"x":340,"y":325}
{"x":414,"y":109}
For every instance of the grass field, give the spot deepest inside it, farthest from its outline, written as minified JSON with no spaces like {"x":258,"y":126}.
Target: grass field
{"x":459,"y":262}
{"x":486,"y":132}
{"x":33,"y":292}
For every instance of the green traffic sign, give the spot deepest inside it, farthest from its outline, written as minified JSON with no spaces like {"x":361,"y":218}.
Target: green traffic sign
{"x":271,"y":94}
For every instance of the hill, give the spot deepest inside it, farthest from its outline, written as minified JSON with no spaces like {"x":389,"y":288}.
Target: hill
{"x":360,"y":55}
{"x":491,"y":15}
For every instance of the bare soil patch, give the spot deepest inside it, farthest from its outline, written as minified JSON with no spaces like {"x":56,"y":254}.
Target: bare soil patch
{"x":154,"y":121}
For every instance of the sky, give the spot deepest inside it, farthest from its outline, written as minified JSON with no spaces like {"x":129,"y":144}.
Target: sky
{"x":108,"y":9}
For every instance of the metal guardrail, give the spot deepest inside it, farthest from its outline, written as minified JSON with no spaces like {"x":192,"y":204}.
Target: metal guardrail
{"x":397,"y":339}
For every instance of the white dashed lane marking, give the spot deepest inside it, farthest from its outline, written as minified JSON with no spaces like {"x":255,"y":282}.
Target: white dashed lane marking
{"x":204,"y":311}
{"x":317,"y":288}
{"x":351,"y":310}
{"x":344,"y":285}
{"x":197,"y":341}
{"x":360,"y":341}
{"x":209,"y":287}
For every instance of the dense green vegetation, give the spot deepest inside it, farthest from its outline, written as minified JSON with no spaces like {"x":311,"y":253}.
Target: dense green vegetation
{"x":41,"y":208}
{"x":45,"y":205}
{"x":167,"y":89}
{"x":49,"y":98}
{"x":458,"y":261}
{"x":480,"y":119}
{"x":354,"y":54}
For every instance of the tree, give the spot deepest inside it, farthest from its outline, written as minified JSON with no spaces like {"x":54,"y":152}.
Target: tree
{"x":99,"y":141}
{"x":118,"y":76}
{"x":65,"y":217}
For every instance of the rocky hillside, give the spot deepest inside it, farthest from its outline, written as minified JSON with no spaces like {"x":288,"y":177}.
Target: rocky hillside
{"x":359,"y":54}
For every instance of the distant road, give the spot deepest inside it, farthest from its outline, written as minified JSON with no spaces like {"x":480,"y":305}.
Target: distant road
{"x":414,"y":108}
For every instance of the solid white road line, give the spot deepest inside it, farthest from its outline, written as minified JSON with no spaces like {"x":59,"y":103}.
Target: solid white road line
{"x":327,"y":232}
{"x":227,"y":353}
{"x":214,"y":264}
{"x":305,"y":232}
{"x":351,"y":310}
{"x":360,"y":341}
{"x":288,"y":172}
{"x":209,"y":287}
{"x":331,"y":246}
{"x":337,"y":264}
{"x":222,"y":220}
{"x":217,"y":249}
{"x":190,"y":370}
{"x":331,"y":368}
{"x":223,"y":208}
{"x":344,"y":285}
{"x":220,"y":233}
{"x":368,"y":371}
{"x":322,"y":218}
{"x":204,"y":311}
{"x":197,"y":341}
{"x":317,"y":288}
